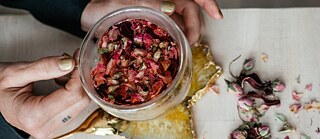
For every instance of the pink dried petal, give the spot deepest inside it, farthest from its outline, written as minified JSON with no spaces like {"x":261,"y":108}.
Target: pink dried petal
{"x":245,"y":103}
{"x":215,"y":89}
{"x":175,"y":52}
{"x":131,"y":75}
{"x":147,"y":41}
{"x":152,"y":66}
{"x":295,"y":108}
{"x":234,"y":88}
{"x":117,"y":54}
{"x":278,"y":86}
{"x":160,"y":32}
{"x":309,"y":87}
{"x":238,"y":135}
{"x":296,"y":96}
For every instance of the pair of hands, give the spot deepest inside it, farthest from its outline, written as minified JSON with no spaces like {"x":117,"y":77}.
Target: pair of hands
{"x":41,"y":115}
{"x":187,"y":13}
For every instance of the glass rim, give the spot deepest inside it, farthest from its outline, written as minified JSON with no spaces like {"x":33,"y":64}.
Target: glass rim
{"x":182,"y":61}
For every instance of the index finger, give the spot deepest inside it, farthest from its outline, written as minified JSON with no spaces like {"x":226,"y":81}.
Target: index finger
{"x":211,"y":7}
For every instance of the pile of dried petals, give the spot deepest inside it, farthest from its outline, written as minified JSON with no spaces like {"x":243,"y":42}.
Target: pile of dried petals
{"x":248,"y":110}
{"x":138,"y":61}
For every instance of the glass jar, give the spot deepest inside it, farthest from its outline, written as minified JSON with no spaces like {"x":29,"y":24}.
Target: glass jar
{"x":164,"y":101}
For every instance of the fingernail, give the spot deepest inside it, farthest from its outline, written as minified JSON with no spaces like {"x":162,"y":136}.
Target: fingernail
{"x":168,"y":7}
{"x":66,"y":55}
{"x":65,"y":63}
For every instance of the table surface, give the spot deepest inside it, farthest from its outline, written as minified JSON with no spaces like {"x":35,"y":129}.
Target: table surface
{"x":289,"y":36}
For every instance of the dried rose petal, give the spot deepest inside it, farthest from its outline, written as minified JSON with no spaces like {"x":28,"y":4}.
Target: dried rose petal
{"x":278,"y":86}
{"x":215,"y":89}
{"x":313,"y":104}
{"x":309,"y":87}
{"x":264,"y":57}
{"x":296,"y":96}
{"x":295,"y":108}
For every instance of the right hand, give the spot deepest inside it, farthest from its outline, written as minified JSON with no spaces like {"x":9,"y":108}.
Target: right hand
{"x":187,"y":13}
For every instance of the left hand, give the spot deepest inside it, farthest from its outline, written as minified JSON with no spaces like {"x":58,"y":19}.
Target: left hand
{"x":40,"y":115}
{"x":187,"y":13}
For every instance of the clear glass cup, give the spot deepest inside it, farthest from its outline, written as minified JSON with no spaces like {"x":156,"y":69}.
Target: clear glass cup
{"x":164,"y":101}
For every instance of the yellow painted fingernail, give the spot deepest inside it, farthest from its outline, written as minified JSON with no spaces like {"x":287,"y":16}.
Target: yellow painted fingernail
{"x":65,"y":63}
{"x":168,"y":7}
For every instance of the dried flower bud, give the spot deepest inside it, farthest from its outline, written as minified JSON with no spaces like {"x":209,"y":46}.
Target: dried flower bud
{"x":278,"y":86}
{"x":264,"y":131}
{"x":238,"y":135}
{"x":295,"y":108}
{"x":248,"y":64}
{"x":245,"y":103}
{"x":234,"y":88}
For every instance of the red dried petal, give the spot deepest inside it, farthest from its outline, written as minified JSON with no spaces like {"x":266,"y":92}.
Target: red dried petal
{"x":147,"y":41}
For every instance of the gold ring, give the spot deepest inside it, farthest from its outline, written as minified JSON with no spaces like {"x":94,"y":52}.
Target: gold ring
{"x":168,"y":7}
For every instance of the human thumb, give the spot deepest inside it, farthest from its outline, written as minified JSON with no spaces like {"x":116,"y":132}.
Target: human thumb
{"x":43,"y":69}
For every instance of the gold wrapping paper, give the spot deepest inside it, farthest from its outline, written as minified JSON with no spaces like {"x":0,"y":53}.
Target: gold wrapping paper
{"x":177,"y":124}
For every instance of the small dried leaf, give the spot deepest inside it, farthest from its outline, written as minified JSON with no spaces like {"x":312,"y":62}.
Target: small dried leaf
{"x":298,"y":79}
{"x":281,"y":117}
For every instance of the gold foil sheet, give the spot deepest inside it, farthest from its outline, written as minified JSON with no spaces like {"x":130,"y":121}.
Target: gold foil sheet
{"x":177,"y":124}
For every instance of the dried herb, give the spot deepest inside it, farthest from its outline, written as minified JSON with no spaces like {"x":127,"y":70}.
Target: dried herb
{"x":138,"y":60}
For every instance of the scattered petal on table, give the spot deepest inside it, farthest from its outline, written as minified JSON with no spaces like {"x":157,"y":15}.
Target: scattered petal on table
{"x":295,"y":108}
{"x":313,"y":104}
{"x":264,"y":57}
{"x":309,"y":87}
{"x":215,"y":89}
{"x":296,"y":96}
